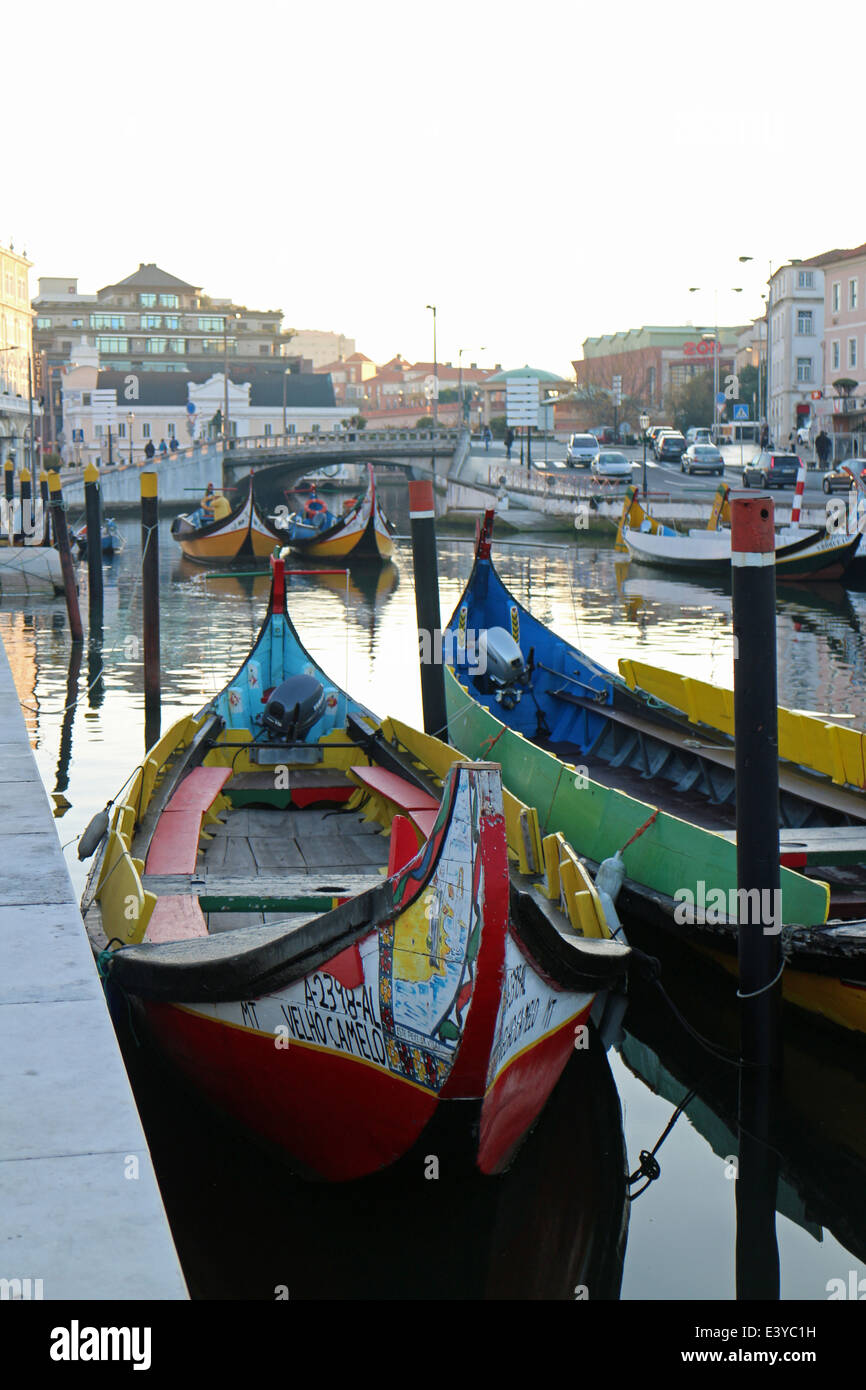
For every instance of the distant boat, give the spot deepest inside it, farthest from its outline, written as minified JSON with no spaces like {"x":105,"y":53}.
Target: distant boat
{"x":112,"y":541}
{"x":800,"y":553}
{"x":244,"y":534}
{"x":363,"y":531}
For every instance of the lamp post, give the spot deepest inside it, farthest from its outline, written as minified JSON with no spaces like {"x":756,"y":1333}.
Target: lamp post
{"x":717,"y":347}
{"x":226,"y":375}
{"x":130,"y":420}
{"x":644,"y":423}
{"x":432,"y":308}
{"x":285,"y":425}
{"x":463,"y":411}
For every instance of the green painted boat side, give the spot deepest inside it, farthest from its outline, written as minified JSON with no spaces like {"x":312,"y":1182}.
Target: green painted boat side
{"x":670,"y":856}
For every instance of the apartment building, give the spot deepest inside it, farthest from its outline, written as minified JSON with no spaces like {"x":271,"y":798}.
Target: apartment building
{"x":16,"y":354}
{"x":843,"y":409}
{"x":654,"y":361}
{"x":796,"y":330}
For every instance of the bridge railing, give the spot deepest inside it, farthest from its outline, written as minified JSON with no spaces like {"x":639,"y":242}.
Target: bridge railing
{"x":352,"y":441}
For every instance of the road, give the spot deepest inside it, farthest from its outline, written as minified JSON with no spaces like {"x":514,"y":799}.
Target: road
{"x":661,"y":477}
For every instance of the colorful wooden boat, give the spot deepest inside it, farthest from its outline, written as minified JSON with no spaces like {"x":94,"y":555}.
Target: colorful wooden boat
{"x":112,"y":541}
{"x":340,"y":993}
{"x":242,"y":535}
{"x":800,"y":553}
{"x":607,"y":746}
{"x":364,"y":531}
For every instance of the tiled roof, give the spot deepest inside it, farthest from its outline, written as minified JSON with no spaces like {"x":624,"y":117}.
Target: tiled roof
{"x":150,"y":277}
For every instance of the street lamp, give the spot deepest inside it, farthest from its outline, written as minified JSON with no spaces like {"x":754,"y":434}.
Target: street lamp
{"x":226,"y":375}
{"x":130,"y":420}
{"x":432,"y":308}
{"x":714,"y":338}
{"x":463,"y":412}
{"x":644,"y":423}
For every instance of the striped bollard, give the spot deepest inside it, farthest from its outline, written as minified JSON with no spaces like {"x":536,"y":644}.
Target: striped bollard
{"x":9,"y":500}
{"x":93,"y":513}
{"x":798,"y":495}
{"x":27,"y":521}
{"x":422,"y":515}
{"x":756,"y":752}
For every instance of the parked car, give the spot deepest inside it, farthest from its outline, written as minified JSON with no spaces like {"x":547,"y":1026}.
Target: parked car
{"x":698,"y":435}
{"x":611,"y":466}
{"x":671,"y":445}
{"x":603,"y":433}
{"x":837,"y":480}
{"x":702,"y":458}
{"x":770,"y":469}
{"x":804,"y":434}
{"x":581,"y":450}
{"x":653,"y":434}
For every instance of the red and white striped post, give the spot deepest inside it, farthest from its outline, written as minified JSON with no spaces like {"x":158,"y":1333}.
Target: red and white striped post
{"x":756,"y":752}
{"x":798,"y":495}
{"x":422,"y":515}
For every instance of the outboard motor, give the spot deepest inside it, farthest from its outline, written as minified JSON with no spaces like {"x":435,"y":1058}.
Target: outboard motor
{"x":501,"y":667}
{"x":294,"y":707}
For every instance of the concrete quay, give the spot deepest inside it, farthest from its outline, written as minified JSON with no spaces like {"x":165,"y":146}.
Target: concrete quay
{"x":81,"y":1216}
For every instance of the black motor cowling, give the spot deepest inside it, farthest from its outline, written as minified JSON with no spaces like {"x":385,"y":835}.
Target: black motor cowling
{"x":294,"y":707}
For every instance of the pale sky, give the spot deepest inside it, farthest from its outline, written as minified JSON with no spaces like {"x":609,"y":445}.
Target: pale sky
{"x":541,"y":174}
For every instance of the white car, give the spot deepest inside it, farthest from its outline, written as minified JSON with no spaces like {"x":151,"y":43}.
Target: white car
{"x":581,"y":450}
{"x":611,"y":466}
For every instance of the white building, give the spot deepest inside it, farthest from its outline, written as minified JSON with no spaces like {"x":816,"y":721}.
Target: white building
{"x":796,"y":336}
{"x":16,"y":359}
{"x":319,"y":347}
{"x":133,"y":409}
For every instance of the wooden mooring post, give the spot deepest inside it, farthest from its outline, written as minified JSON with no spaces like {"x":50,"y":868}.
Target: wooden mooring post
{"x":93,"y":512}
{"x":753,"y":573}
{"x":61,"y":535}
{"x":422,"y":515}
{"x":150,"y":605}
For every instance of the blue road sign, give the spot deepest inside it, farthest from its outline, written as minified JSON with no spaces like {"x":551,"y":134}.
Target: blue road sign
{"x":720,"y":398}
{"x":741,"y":412}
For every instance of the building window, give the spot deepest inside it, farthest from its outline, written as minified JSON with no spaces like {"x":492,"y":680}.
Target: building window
{"x":121,"y":429}
{"x":85,"y":398}
{"x":168,"y":301}
{"x":156,"y":345}
{"x":804,"y":279}
{"x":98,"y":430}
{"x":177,"y":345}
{"x":147,"y":301}
{"x":836,"y":296}
{"x":210,"y":325}
{"x":107,"y":321}
{"x":112,"y":344}
{"x":170,"y":430}
{"x":45,"y":323}
{"x":852,"y":294}
{"x":172,"y":321}
{"x":804,"y":323}
{"x":209,"y":346}
{"x":268,"y":430}
{"x":852,"y":352}
{"x":835,"y":356}
{"x":151,"y":320}
{"x":78,"y":323}
{"x":290,"y":429}
{"x":145,"y":430}
{"x":804,"y":369}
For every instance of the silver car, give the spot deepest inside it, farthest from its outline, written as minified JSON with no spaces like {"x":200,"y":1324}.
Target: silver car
{"x":581,"y":450}
{"x":611,"y":466}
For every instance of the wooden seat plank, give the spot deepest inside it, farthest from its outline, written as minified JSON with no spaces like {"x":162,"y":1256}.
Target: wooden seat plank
{"x":395,"y":788}
{"x":176,"y":917}
{"x":199,"y":788}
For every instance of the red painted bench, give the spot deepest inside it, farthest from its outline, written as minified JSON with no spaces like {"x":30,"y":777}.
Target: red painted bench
{"x":174,"y":847}
{"x":176,"y":917}
{"x":420,"y":807}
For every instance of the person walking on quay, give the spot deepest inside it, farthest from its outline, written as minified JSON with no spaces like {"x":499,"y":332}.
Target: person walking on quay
{"x":509,"y":440}
{"x":149,"y":450}
{"x":792,"y":443}
{"x":163,"y":449}
{"x":765,"y":436}
{"x":488,"y":435}
{"x":823,"y":448}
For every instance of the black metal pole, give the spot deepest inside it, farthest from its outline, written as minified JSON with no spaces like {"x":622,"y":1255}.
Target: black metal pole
{"x":150,"y":605}
{"x":110,"y":459}
{"x":422,"y":516}
{"x":529,"y":448}
{"x":61,"y":536}
{"x":759,"y":910}
{"x":93,"y":512}
{"x":644,"y":465}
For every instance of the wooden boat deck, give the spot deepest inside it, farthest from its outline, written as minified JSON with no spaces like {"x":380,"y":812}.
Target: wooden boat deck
{"x":271,"y":861}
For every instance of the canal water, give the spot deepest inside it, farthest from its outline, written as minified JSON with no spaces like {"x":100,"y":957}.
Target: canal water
{"x":557,"y":1224}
